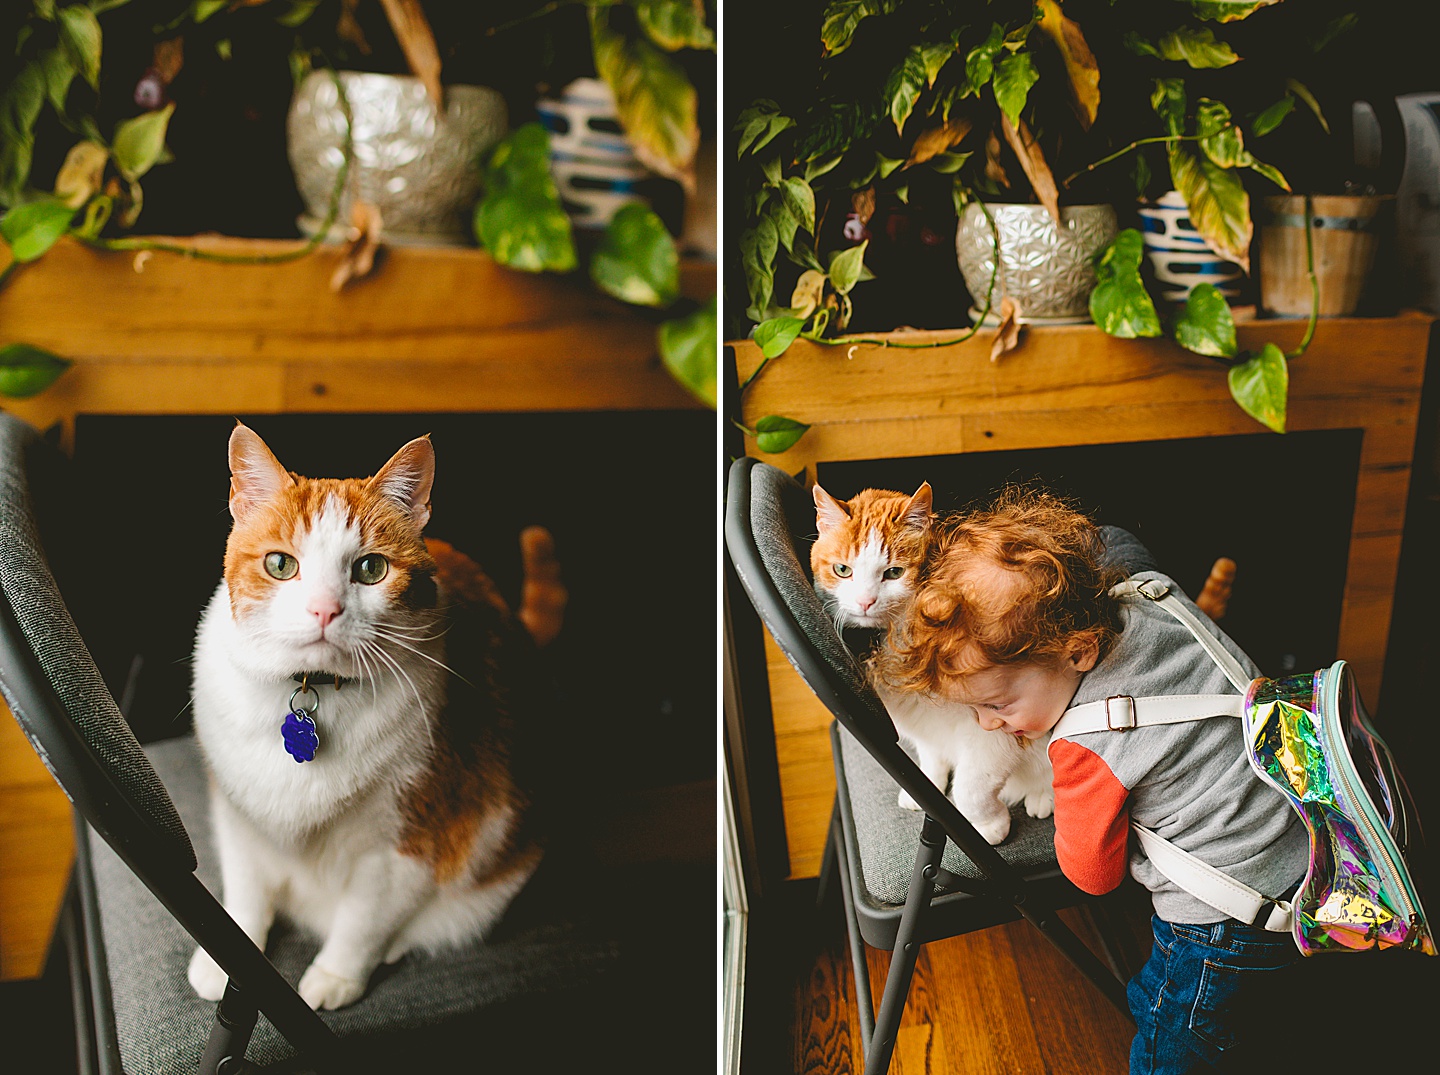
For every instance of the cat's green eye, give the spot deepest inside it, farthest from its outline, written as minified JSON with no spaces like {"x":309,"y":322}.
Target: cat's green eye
{"x":281,"y":565}
{"x":843,"y":570}
{"x":893,"y":572}
{"x":370,"y":569}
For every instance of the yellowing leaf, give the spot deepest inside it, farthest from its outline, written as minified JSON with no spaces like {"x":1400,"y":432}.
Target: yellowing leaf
{"x":654,"y":98}
{"x":1217,"y":203}
{"x":80,"y":175}
{"x":1080,"y":62}
{"x":1261,"y":385}
{"x":675,"y":24}
{"x":936,"y":140}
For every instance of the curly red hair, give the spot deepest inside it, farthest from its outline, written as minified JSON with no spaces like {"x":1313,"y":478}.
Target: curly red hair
{"x":1021,"y":580}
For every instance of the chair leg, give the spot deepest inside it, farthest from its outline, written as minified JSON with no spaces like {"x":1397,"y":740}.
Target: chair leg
{"x":235,"y":1018}
{"x":880,"y":1045}
{"x":829,"y":866}
{"x":863,"y":1001}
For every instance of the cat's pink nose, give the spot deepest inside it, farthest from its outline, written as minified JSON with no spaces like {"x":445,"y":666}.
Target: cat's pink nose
{"x":324,"y":609}
{"x":866,"y":603}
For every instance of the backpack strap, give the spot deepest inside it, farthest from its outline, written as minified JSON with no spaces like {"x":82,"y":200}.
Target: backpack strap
{"x":1122,"y":712}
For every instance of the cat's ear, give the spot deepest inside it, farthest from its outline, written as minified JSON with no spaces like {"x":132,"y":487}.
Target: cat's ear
{"x":256,"y":476}
{"x":407,"y":479}
{"x":918,"y":510}
{"x":829,"y":512}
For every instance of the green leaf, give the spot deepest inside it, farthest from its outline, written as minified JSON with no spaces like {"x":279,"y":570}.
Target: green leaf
{"x":519,"y":219}
{"x":845,"y":267}
{"x":1270,"y":172}
{"x":904,"y":86}
{"x":1228,"y":10}
{"x":841,"y":17}
{"x":884,"y":165}
{"x":80,"y":38}
{"x":1216,"y":202}
{"x":34,"y":227}
{"x":675,"y":24}
{"x":1138,"y":45}
{"x":59,"y":73}
{"x":1261,"y":385}
{"x":1301,"y":91}
{"x":1120,"y":304}
{"x":1269,"y":119}
{"x":800,"y":201}
{"x":636,"y":260}
{"x":19,"y":108}
{"x":758,"y":246}
{"x":1014,"y":75}
{"x":1205,"y":326}
{"x":759,"y":124}
{"x":814,"y":169}
{"x":774,"y":434}
{"x":1197,"y":47}
{"x":654,"y":98}
{"x":139,"y":142}
{"x":786,"y":225}
{"x":776,"y":335}
{"x":1168,"y":100}
{"x":203,"y":9}
{"x":26,"y":370}
{"x":1220,"y":139}
{"x":936,"y":57}
{"x":687,"y":347}
{"x":980,"y":61}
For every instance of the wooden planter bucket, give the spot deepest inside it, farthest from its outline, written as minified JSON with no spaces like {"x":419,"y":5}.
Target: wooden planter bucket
{"x":1346,"y":233}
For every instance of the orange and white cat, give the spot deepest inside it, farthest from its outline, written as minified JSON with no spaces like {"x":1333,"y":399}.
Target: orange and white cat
{"x":393,"y":822}
{"x":865,"y":564}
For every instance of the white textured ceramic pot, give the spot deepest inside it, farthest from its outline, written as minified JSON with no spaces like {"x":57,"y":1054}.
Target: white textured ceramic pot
{"x":419,"y":167}
{"x":1044,"y":268}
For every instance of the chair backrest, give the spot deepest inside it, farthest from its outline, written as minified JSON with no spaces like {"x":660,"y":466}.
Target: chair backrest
{"x":52,"y":684}
{"x":769,"y":527}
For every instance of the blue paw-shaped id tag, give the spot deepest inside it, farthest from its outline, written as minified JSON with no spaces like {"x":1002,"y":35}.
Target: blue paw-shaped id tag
{"x":301,"y":736}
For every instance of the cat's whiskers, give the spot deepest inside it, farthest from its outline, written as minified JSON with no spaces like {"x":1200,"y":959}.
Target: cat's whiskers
{"x":403,"y":644}
{"x":400,"y":673}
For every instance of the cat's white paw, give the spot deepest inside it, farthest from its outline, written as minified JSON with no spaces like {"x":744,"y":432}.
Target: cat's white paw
{"x":1040,"y":804}
{"x":321,"y":989}
{"x":907,"y":801}
{"x":995,"y":829}
{"x":207,"y":977}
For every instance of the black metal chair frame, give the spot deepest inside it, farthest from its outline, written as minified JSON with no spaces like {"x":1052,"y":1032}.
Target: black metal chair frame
{"x":1004,"y":893}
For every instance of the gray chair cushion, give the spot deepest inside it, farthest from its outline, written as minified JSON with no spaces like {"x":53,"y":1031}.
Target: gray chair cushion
{"x":542,"y":947}
{"x":888,"y":837}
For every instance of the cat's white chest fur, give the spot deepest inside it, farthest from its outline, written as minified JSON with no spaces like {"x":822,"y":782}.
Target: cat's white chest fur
{"x":373,"y":737}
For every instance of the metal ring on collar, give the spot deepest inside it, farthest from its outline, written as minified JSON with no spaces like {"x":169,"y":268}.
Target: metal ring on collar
{"x":304,"y":689}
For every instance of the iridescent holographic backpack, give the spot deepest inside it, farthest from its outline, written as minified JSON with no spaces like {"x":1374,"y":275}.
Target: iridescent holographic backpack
{"x":1309,"y":737}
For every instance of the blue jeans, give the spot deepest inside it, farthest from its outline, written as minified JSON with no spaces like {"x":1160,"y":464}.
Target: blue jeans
{"x":1201,"y":986}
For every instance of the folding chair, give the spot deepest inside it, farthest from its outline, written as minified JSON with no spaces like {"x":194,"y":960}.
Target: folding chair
{"x":137,"y":906}
{"x":904,"y":879}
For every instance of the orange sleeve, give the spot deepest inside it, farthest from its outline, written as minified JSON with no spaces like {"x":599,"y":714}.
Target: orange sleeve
{"x":1092,"y":822}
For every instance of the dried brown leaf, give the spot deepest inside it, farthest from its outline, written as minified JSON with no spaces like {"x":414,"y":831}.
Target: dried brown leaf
{"x":348,"y":29}
{"x":80,"y":175}
{"x":809,"y":290}
{"x":1080,"y":62}
{"x":359,"y":256}
{"x":994,"y":170}
{"x":863,"y":204}
{"x":1032,"y":162}
{"x":936,"y":140}
{"x":169,"y":59}
{"x":417,"y":41}
{"x":1007,"y":336}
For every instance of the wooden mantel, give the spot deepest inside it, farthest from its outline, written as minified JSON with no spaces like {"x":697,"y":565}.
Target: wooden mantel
{"x":432,"y":329}
{"x":1069,"y":386}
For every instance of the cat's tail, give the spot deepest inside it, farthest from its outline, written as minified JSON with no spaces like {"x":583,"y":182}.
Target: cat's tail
{"x":543,"y":595}
{"x":1214,"y":598}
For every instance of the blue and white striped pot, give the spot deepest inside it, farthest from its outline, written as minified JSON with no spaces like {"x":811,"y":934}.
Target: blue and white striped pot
{"x":1178,"y":254}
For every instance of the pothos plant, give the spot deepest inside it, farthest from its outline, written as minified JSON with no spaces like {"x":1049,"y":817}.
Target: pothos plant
{"x":1000,"y":99}
{"x":520,"y":218}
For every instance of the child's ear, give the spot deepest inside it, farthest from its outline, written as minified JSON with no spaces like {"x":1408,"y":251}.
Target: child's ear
{"x":1085,"y":655}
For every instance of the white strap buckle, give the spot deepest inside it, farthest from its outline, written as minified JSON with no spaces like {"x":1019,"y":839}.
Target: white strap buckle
{"x":1154,"y":589}
{"x":1120,"y":712}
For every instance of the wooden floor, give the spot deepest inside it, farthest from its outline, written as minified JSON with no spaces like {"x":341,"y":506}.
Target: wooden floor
{"x":1002,"y":1001}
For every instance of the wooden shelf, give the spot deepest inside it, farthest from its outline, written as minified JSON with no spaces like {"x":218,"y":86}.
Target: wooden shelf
{"x":1069,"y":386}
{"x":433,"y":329}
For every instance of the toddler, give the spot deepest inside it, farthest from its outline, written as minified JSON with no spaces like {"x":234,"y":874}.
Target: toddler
{"x":1014,"y":614}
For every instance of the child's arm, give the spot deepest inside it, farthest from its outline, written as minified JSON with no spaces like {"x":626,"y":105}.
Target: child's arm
{"x":1092,"y":821}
